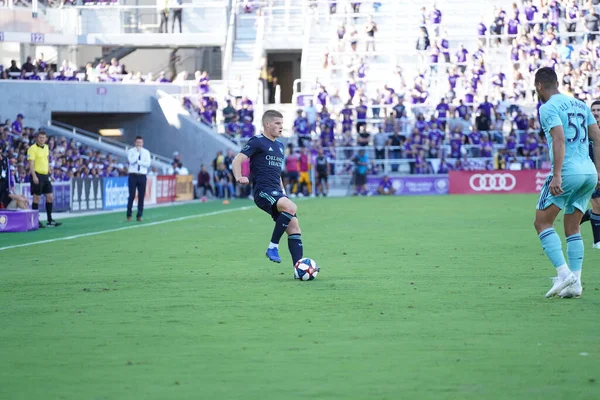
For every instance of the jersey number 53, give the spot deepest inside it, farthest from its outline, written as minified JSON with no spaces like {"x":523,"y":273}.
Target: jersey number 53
{"x":578,"y":122}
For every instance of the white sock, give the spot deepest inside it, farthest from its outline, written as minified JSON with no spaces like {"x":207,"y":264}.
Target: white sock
{"x":273,"y":245}
{"x":563,"y":271}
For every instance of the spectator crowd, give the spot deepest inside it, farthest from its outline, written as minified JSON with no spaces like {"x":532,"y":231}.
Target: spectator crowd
{"x":41,"y":70}
{"x":462,"y":107}
{"x":68,"y":157}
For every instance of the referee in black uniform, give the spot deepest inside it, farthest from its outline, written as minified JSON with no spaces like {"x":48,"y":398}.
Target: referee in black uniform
{"x":139,"y":162}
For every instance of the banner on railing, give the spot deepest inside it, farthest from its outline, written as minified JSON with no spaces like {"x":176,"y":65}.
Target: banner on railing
{"x":61,"y":191}
{"x":478,"y":182}
{"x":86,"y":194}
{"x":185,"y":187}
{"x":150,"y":195}
{"x":412,"y":185}
{"x":165,"y":188}
{"x":116,"y":192}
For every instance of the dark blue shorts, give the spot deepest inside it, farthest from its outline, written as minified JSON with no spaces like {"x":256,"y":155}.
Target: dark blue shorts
{"x":267,"y":200}
{"x":293,"y":175}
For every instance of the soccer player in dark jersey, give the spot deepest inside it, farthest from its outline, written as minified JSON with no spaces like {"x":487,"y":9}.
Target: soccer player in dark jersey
{"x":322,"y":173}
{"x":266,"y":155}
{"x":593,"y":214}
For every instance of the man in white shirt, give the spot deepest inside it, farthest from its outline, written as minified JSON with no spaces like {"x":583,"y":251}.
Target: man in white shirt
{"x":181,"y":170}
{"x":311,"y":115}
{"x":502,"y":107}
{"x":139,"y":162}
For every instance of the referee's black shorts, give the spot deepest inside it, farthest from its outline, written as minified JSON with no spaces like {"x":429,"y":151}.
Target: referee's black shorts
{"x":43,"y":187}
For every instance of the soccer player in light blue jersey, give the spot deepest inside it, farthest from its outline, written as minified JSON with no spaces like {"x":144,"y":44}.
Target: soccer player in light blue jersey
{"x":568,"y":125}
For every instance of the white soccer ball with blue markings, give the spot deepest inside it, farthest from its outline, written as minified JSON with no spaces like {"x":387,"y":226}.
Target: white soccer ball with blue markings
{"x":306,"y":269}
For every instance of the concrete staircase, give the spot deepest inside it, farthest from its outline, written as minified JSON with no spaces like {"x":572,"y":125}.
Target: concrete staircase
{"x":285,"y":21}
{"x":243,"y":48}
{"x":242,"y":63}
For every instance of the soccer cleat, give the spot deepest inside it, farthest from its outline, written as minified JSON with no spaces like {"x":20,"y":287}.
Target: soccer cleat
{"x":596,"y":246}
{"x":573,"y":291}
{"x":128,"y":219}
{"x":273,"y":255}
{"x":139,"y":219}
{"x":53,"y":223}
{"x":40,"y":225}
{"x":559,"y":284}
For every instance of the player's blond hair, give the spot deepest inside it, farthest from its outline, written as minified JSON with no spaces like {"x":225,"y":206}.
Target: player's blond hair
{"x":270,"y":115}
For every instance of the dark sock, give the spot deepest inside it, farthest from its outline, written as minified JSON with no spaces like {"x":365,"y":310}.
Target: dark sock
{"x":280,"y":226}
{"x":595,"y":220}
{"x":34,"y":206}
{"x":295,"y":246}
{"x":586,"y":216}
{"x":49,"y":211}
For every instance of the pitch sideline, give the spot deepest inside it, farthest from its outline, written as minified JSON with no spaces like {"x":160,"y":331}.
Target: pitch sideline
{"x":166,"y":221}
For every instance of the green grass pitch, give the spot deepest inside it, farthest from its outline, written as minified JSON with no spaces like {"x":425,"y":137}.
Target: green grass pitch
{"x":418,"y":298}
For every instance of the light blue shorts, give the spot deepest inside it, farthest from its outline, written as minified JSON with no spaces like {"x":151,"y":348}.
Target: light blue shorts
{"x":578,"y":190}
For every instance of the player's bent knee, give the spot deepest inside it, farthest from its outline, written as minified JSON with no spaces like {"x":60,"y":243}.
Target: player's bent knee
{"x":541,"y":225}
{"x":286,"y":205}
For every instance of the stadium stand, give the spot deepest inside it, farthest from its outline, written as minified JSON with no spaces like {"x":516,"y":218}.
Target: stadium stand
{"x":68,"y":157}
{"x":415,"y":86}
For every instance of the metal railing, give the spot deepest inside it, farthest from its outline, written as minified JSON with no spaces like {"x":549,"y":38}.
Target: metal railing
{"x":257,"y":64}
{"x":91,"y":3}
{"x":228,"y":52}
{"x":205,"y":18}
{"x":308,"y":23}
{"x":390,"y":159}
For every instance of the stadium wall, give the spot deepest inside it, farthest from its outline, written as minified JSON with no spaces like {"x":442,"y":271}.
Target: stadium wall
{"x":169,"y":128}
{"x":38,"y":100}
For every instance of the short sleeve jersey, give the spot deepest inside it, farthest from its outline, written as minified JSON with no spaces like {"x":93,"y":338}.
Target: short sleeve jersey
{"x":266,"y":162}
{"x":575,"y":117}
{"x":40,"y":157}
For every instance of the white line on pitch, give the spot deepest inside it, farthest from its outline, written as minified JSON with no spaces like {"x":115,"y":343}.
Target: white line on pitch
{"x":166,"y":221}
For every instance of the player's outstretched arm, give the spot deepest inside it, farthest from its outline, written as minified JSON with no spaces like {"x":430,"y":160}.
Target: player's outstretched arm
{"x":237,"y":168}
{"x":558,"y":150}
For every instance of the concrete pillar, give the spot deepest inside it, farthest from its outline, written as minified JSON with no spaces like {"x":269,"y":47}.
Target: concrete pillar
{"x":62,"y":53}
{"x":26,"y":51}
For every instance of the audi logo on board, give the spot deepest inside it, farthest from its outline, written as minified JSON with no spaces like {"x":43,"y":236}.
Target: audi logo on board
{"x":504,"y":182}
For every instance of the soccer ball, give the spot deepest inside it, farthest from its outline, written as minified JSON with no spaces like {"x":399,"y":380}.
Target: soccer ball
{"x":306,"y":269}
